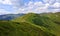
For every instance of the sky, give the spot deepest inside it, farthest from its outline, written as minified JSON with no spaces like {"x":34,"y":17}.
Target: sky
{"x":28,"y":6}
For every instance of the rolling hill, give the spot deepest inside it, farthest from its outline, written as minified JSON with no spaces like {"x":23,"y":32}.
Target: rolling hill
{"x":32,"y":25}
{"x":8,"y":28}
{"x":47,"y":22}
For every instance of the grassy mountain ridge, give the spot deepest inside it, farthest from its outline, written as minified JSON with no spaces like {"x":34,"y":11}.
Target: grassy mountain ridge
{"x":8,"y":28}
{"x":47,"y":22}
{"x":32,"y":25}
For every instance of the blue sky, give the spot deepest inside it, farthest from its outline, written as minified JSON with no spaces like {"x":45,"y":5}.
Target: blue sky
{"x":28,"y":6}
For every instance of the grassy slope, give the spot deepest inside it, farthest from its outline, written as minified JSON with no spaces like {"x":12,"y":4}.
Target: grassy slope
{"x":46,"y":22}
{"x":32,"y":25}
{"x":8,"y":28}
{"x":55,"y":18}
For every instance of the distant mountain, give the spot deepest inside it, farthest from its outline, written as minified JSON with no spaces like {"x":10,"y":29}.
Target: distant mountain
{"x":9,"y":16}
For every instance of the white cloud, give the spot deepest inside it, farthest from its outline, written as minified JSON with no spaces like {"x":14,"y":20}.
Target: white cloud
{"x":6,"y":2}
{"x":38,"y":4}
{"x":54,"y":10}
{"x":49,"y":1}
{"x":36,"y":7}
{"x":46,"y":1}
{"x":56,"y":5}
{"x":39,"y":7}
{"x":21,"y":10}
{"x":16,"y":3}
{"x":2,"y":11}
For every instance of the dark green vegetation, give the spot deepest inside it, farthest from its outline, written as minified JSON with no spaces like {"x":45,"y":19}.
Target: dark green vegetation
{"x":20,"y":29}
{"x":32,"y":25}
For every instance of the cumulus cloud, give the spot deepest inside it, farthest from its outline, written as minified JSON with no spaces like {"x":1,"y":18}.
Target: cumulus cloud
{"x":15,"y":3}
{"x":36,"y":7}
{"x":39,"y":7}
{"x":3,"y":11}
{"x":56,"y":5}
{"x":6,"y":2}
{"x":49,"y":1}
{"x":31,"y":6}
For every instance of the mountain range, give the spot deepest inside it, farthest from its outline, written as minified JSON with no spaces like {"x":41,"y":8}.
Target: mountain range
{"x":32,"y":24}
{"x":9,"y":16}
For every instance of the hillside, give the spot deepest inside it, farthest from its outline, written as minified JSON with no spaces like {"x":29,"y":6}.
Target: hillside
{"x":46,"y":22}
{"x":8,"y":28}
{"x":32,"y":25}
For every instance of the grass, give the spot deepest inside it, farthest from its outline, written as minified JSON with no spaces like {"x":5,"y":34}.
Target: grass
{"x":32,"y":25}
{"x":48,"y":22}
{"x":8,"y":28}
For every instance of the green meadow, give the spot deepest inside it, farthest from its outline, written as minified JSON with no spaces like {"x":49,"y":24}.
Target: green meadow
{"x":32,"y":24}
